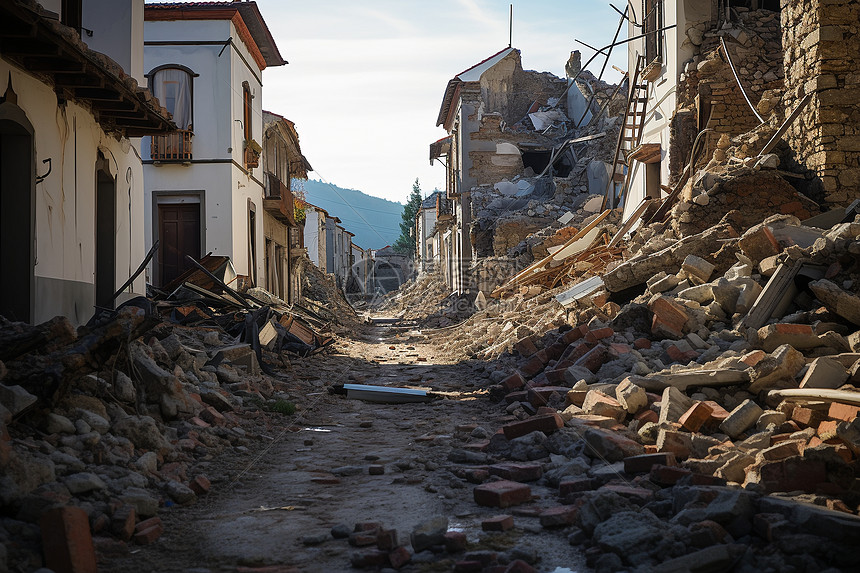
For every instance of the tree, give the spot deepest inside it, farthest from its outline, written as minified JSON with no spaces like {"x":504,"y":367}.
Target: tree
{"x":405,"y":243}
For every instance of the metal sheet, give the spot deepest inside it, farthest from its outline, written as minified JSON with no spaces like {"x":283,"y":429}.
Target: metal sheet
{"x":385,"y":394}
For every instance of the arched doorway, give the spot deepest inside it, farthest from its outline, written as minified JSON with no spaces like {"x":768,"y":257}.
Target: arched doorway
{"x":17,"y":208}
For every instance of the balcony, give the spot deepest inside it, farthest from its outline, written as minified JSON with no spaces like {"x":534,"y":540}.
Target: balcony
{"x":279,"y":201}
{"x":174,"y":146}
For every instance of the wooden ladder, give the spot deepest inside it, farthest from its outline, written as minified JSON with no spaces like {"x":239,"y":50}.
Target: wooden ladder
{"x":629,"y":137}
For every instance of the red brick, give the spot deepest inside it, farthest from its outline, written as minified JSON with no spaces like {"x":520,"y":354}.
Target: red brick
{"x":375,"y":558}
{"x":754,"y":357}
{"x":455,"y":541}
{"x":520,"y":472}
{"x":367,"y":526}
{"x":630,"y":492}
{"x":793,"y":474}
{"x":560,"y":516}
{"x":362,"y":538}
{"x":576,"y":397}
{"x":498,"y":523}
{"x":677,"y":355}
{"x":67,"y":542}
{"x":843,"y":412}
{"x":643,"y":463}
{"x":599,"y":334}
{"x":502,"y":494}
{"x":593,"y":359}
{"x":783,"y":450}
{"x":474,"y":475}
{"x":149,"y":535}
{"x":696,"y":417}
{"x":807,"y":416}
{"x":619,"y":349}
{"x":718,"y":413}
{"x":574,"y":485}
{"x":827,"y":429}
{"x":386,"y":540}
{"x":667,"y":476}
{"x":670,"y":318}
{"x":147,"y":523}
{"x":199,"y":423}
{"x":518,"y":396}
{"x":553,"y":351}
{"x":513,"y":382}
{"x":646,"y":415}
{"x":399,"y":557}
{"x":555,"y":376}
{"x":213,"y":416}
{"x":534,"y":365}
{"x":546,"y":423}
{"x":571,"y":336}
{"x":525,"y":346}
{"x":200,"y":485}
{"x":470,"y":566}
{"x":641,"y":344}
{"x":540,"y":396}
{"x":122,"y":522}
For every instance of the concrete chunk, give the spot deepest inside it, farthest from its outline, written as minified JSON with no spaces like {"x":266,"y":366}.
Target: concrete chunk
{"x":824,"y":372}
{"x":741,"y":419}
{"x":632,"y":397}
{"x":673,"y":405}
{"x":697,"y":268}
{"x":841,"y":302}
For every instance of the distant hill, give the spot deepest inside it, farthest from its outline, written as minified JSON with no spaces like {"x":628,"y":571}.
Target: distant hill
{"x":375,"y":221}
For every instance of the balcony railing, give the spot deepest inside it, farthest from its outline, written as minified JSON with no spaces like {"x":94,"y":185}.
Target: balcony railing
{"x":174,"y":146}
{"x":279,"y":200}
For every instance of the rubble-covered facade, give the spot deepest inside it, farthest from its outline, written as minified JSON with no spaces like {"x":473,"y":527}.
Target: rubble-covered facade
{"x":71,"y":119}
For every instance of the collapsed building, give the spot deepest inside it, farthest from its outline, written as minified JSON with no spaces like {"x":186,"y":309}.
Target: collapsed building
{"x":512,"y":159}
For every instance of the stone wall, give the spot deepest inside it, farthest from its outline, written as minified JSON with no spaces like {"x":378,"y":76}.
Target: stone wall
{"x":822,"y":55}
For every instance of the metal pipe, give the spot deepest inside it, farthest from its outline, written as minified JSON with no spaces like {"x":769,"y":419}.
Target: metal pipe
{"x":738,"y":80}
{"x":602,"y":69}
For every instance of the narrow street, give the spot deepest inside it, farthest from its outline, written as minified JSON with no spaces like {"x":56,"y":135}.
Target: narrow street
{"x":276,"y":504}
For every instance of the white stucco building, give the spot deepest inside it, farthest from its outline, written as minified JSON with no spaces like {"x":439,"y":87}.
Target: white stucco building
{"x":70,"y":171}
{"x":204,"y":184}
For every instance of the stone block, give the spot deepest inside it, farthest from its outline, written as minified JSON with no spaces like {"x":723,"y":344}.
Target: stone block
{"x":758,"y":243}
{"x":741,"y":419}
{"x":632,"y":398}
{"x":697,"y":268}
{"x":824,"y":372}
{"x":67,"y":542}
{"x":593,"y":359}
{"x":696,"y":417}
{"x":667,"y":476}
{"x":673,"y":404}
{"x":501,"y":494}
{"x":546,"y":423}
{"x":781,"y":365}
{"x":599,"y":404}
{"x":793,"y":474}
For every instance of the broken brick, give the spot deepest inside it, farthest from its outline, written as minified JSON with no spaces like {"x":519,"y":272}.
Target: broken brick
{"x":399,"y":557}
{"x":599,"y":334}
{"x":844,"y":412}
{"x":455,"y":541}
{"x":386,"y":540}
{"x":593,"y":359}
{"x":525,"y":346}
{"x":560,"y":516}
{"x":513,"y":382}
{"x":574,"y":485}
{"x":643,"y":463}
{"x":66,"y":540}
{"x":667,"y":476}
{"x":807,"y":416}
{"x":519,"y":472}
{"x":670,"y":318}
{"x":696,"y":417}
{"x":502,"y":494}
{"x":540,"y":396}
{"x":498,"y":523}
{"x":546,"y":423}
{"x":200,"y":485}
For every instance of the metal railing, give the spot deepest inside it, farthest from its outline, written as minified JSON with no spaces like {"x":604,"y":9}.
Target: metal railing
{"x":174,"y":146}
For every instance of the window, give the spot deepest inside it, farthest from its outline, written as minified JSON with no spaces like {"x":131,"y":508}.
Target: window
{"x":72,"y":14}
{"x":247,"y":110}
{"x":172,"y":87}
{"x":652,"y":11}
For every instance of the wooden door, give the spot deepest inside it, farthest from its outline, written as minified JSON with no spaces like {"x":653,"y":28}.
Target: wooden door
{"x":179,"y":233}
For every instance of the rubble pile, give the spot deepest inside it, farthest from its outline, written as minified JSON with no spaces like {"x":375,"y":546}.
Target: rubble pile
{"x":427,"y":300}
{"x":698,"y":412}
{"x":108,"y":423}
{"x":321,"y":294}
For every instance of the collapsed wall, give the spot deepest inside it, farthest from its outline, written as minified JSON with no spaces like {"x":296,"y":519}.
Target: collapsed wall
{"x":822,"y":57}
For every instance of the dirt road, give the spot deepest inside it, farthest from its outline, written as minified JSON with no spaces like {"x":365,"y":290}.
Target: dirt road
{"x":274,"y":506}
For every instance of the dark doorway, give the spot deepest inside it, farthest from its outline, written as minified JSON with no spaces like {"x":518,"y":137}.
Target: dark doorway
{"x":179,"y":235}
{"x":17,"y":187}
{"x":105,"y":236}
{"x":537,"y":160}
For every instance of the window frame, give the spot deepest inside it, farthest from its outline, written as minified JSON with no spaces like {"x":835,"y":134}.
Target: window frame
{"x":150,"y":83}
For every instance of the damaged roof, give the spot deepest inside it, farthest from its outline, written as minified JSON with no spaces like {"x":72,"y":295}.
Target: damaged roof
{"x":245,"y":16}
{"x":33,"y":39}
{"x":472,"y":74}
{"x":301,"y":166}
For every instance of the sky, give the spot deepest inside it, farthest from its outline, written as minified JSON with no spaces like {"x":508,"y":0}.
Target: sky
{"x":365,"y":78}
